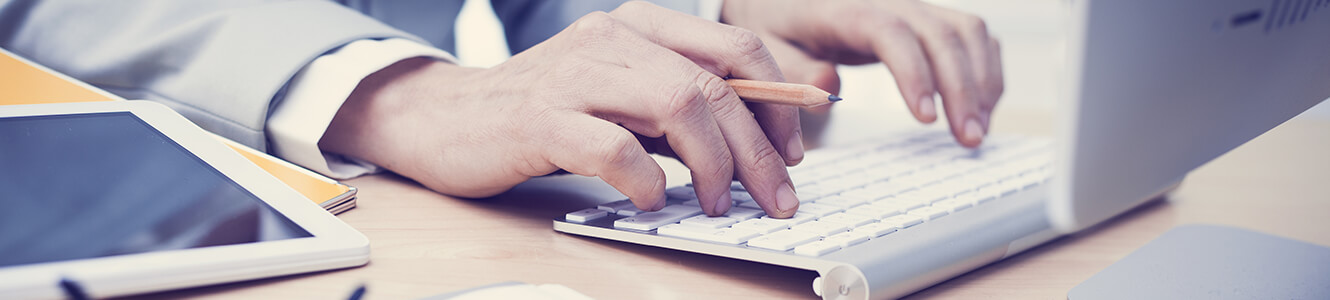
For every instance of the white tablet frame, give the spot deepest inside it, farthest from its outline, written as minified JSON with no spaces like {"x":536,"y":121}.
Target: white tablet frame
{"x":333,"y":244}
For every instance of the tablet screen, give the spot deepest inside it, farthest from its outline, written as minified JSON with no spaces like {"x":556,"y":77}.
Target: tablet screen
{"x":104,"y":184}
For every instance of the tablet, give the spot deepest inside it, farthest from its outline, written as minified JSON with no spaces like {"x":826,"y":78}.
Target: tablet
{"x":128,"y":197}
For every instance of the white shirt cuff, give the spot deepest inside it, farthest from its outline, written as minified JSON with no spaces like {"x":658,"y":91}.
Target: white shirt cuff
{"x":710,"y":9}
{"x":316,"y":93}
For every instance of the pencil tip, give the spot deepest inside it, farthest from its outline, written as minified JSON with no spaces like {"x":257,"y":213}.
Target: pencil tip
{"x":834,"y":98}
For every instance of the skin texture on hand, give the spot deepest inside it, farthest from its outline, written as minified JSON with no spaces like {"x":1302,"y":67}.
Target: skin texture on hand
{"x":929,"y":50}
{"x":592,"y":100}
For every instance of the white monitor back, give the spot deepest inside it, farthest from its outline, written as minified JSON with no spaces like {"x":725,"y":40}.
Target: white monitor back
{"x":1159,"y":88}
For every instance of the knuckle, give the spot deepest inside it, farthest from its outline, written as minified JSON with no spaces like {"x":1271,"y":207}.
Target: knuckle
{"x":713,"y":87}
{"x":616,"y":150}
{"x":973,"y":24}
{"x":633,"y":7}
{"x":948,"y":36}
{"x":724,"y":168}
{"x":890,"y":23}
{"x":764,"y":157}
{"x":686,"y":102}
{"x":596,"y":26}
{"x":746,"y":41}
{"x":749,"y":48}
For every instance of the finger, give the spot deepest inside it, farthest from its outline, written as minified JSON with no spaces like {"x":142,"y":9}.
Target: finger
{"x":725,"y":51}
{"x":900,"y":49}
{"x":996,"y":84}
{"x":984,"y":57}
{"x":948,"y":54}
{"x":661,"y":103}
{"x":682,"y":115}
{"x":588,"y":146}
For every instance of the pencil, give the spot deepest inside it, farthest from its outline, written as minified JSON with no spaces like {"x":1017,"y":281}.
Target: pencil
{"x":781,"y":93}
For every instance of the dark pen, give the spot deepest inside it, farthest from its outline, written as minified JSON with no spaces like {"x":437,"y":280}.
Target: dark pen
{"x":358,"y":293}
{"x":72,"y":289}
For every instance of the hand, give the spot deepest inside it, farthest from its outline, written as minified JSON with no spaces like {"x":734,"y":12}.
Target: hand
{"x":929,"y":49}
{"x":591,"y":100}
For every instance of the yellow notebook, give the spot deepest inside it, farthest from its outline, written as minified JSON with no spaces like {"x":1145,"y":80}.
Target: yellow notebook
{"x":25,"y":82}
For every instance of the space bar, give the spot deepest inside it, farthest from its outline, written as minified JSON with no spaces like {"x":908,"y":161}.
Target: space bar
{"x":652,"y":220}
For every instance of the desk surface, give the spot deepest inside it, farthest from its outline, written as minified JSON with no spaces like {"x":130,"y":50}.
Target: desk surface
{"x":426,"y":244}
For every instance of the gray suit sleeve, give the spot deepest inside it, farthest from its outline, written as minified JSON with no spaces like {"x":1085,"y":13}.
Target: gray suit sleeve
{"x":529,"y":22}
{"x":219,"y":63}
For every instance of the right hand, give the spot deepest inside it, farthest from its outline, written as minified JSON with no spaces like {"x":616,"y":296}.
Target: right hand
{"x":592,"y":100}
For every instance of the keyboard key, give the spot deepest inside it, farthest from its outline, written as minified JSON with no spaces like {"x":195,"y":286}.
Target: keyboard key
{"x":812,"y":192}
{"x":1006,"y":188}
{"x":744,"y":213}
{"x":900,"y":204}
{"x":614,"y":207}
{"x":681,"y":193}
{"x":762,"y":226}
{"x":952,"y":205}
{"x":875,"y":230}
{"x":841,"y":202}
{"x":865,"y":193}
{"x":927,"y":213}
{"x":929,"y":195}
{"x":732,"y":236}
{"x":876,"y":212}
{"x":821,"y":228}
{"x":849,"y":219}
{"x":818,"y":210}
{"x":709,"y":222}
{"x":847,"y":239}
{"x":981,"y":199}
{"x":629,"y":211}
{"x":783,"y":240}
{"x":585,"y":215}
{"x":652,"y":220}
{"x":818,"y":248}
{"x":902,"y":221}
{"x":799,"y":217}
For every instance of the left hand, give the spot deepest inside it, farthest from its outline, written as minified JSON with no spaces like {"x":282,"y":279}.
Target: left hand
{"x":929,"y":50}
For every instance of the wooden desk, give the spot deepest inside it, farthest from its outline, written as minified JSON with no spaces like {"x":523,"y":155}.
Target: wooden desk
{"x":426,"y":244}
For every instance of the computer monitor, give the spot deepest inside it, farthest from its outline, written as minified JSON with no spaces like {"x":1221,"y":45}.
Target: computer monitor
{"x":1158,"y":88}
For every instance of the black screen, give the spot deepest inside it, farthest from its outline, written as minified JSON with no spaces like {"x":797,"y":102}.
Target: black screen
{"x":104,"y":184}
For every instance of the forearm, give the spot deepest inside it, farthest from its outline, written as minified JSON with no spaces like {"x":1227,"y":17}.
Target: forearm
{"x":220,"y":63}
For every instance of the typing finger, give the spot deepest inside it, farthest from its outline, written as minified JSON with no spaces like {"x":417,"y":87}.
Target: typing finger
{"x":986,"y":61}
{"x":725,"y":51}
{"x":758,"y":166}
{"x":589,"y":146}
{"x":647,"y":96}
{"x":900,"y":48}
{"x":953,"y":72}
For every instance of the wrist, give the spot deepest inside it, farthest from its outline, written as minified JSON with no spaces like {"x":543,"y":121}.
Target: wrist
{"x":370,"y":126}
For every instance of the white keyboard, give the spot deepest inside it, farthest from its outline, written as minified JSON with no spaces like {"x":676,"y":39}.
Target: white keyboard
{"x":849,"y":196}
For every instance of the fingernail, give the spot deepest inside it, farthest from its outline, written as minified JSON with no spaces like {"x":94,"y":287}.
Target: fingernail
{"x":795,"y":149}
{"x":973,"y":131}
{"x":723,"y":204}
{"x":927,"y":109}
{"x":786,"y":201}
